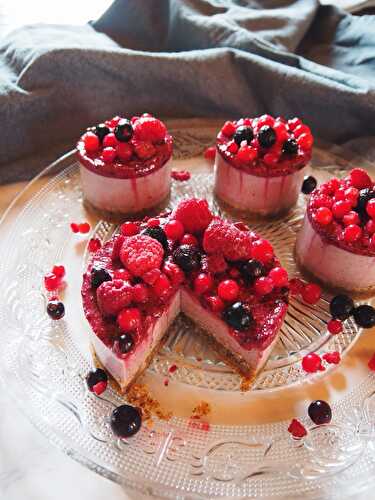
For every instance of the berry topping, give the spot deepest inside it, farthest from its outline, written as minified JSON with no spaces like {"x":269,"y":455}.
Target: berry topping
{"x":279,"y":276}
{"x":296,"y":429}
{"x":125,"y":421}
{"x":174,"y":273}
{"x":94,"y":245}
{"x":341,"y":208}
{"x":55,"y":309}
{"x":352,"y":233}
{"x":323,"y":216}
{"x":341,"y":307}
{"x":129,"y":319}
{"x":223,"y":237}
{"x":320,"y":412}
{"x":228,"y":290}
{"x":97,"y":381}
{"x":311,"y":363}
{"x":140,"y":293}
{"x":365,"y":195}
{"x":162,"y":287}
{"x":243,"y":134}
{"x":311,"y":293}
{"x":203,"y":283}
{"x":141,"y":253}
{"x":360,"y":178}
{"x":228,"y":129}
{"x":246,"y":154}
{"x":108,"y":154}
{"x":129,"y":228}
{"x":263,"y":286}
{"x":101,"y":131}
{"x":215,"y":303}
{"x":125,"y":343}
{"x":124,"y":151}
{"x":110,"y":141}
{"x":98,"y":276}
{"x":187,"y":257}
{"x":189,"y":239}
{"x":305,"y":141}
{"x":194,"y":214}
{"x":290,"y":147}
{"x":364,"y":316}
{"x":370,"y":208}
{"x":91,"y":142}
{"x":158,"y":234}
{"x":238,"y":316}
{"x":150,"y":129}
{"x":124,"y":130}
{"x":251,"y":270}
{"x":216,"y":263}
{"x":113,"y":296}
{"x":262,"y":250}
{"x":334,"y":326}
{"x":144,"y":150}
{"x":266,"y":136}
{"x":174,"y":230}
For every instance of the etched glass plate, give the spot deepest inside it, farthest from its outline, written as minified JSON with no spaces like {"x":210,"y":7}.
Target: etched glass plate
{"x":44,"y":364}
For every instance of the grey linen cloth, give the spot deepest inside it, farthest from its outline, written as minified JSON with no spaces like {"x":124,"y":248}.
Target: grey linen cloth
{"x":185,"y":58}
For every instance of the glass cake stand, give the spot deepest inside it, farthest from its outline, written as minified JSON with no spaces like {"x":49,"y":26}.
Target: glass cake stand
{"x":242,"y":448}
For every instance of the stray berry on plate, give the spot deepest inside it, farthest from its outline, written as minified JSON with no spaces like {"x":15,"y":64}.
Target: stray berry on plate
{"x":210,"y":153}
{"x":97,"y":381}
{"x":320,"y":412}
{"x":125,"y":421}
{"x":371,"y":363}
{"x":296,"y":429}
{"x":74,"y":227}
{"x":341,"y":307}
{"x":311,"y":293}
{"x":84,"y":227}
{"x":334,"y":326}
{"x":309,"y":184}
{"x":51,"y":282}
{"x":364,"y":316}
{"x":311,"y":363}
{"x":332,"y":357}
{"x":55,"y":309}
{"x":180,"y":175}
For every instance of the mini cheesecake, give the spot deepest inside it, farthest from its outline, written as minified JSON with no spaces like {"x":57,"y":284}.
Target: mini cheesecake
{"x":223,"y":276}
{"x":125,"y":165}
{"x":260,"y":163}
{"x":336,"y":243}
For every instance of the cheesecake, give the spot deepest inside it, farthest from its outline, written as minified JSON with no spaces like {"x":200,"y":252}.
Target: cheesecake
{"x":222,"y":275}
{"x":260,"y":163}
{"x":336,"y":242}
{"x":125,"y":165}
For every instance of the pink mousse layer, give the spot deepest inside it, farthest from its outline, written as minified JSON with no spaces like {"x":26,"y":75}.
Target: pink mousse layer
{"x":331,"y":264}
{"x":123,"y":370}
{"x":129,"y":195}
{"x":261,"y":195}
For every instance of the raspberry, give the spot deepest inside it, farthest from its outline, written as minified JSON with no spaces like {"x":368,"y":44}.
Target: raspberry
{"x":296,"y":429}
{"x":124,"y":151}
{"x":91,"y":142}
{"x":360,"y":178}
{"x":189,"y":239}
{"x":323,"y":216}
{"x":110,"y":141}
{"x":279,"y":276}
{"x":108,"y":155}
{"x":94,"y":245}
{"x":140,"y":293}
{"x":311,"y":293}
{"x":194,"y":214}
{"x":129,"y":228}
{"x":174,"y":230}
{"x":144,"y":150}
{"x":180,"y":175}
{"x":210,"y":153}
{"x":216,"y":263}
{"x":140,"y":254}
{"x":203,"y":283}
{"x":118,"y":240}
{"x":113,"y":296}
{"x":224,"y":238}
{"x":311,"y":363}
{"x":246,"y":154}
{"x":262,"y":250}
{"x":151,"y":276}
{"x":334,"y":326}
{"x":129,"y":319}
{"x":150,"y":129}
{"x":228,"y":129}
{"x":121,"y":274}
{"x":332,"y":357}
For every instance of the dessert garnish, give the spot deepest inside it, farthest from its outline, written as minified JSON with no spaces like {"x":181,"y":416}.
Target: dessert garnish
{"x":54,"y":279}
{"x":332,"y":357}
{"x":180,"y":175}
{"x":125,"y":421}
{"x":210,"y":153}
{"x":312,"y":363}
{"x":97,"y":381}
{"x":94,"y":245}
{"x":297,"y":429}
{"x":309,"y":184}
{"x":320,"y":412}
{"x":83,"y":227}
{"x":55,"y":309}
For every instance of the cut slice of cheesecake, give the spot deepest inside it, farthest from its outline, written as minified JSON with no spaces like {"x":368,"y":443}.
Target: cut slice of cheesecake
{"x":222,"y":275}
